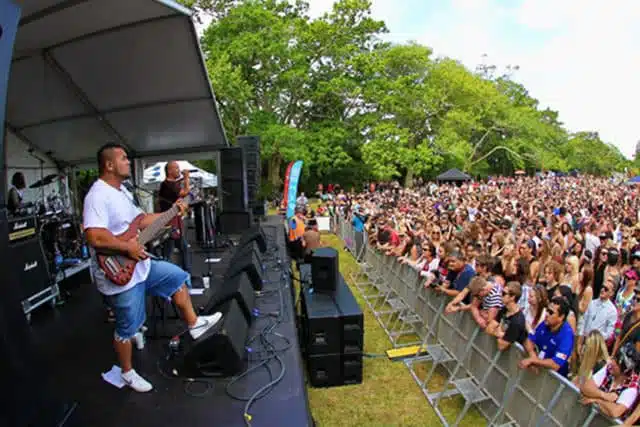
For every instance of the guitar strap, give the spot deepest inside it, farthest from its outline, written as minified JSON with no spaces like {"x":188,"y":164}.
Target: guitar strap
{"x":134,"y":197}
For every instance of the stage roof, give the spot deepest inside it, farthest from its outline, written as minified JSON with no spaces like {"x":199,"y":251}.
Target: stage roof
{"x":87,"y":72}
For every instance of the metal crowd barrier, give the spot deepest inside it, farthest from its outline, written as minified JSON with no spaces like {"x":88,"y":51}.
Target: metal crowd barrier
{"x":473,"y":367}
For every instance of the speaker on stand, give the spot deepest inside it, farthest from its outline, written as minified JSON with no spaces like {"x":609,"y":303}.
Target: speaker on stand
{"x":251,"y":151}
{"x":235,"y":217}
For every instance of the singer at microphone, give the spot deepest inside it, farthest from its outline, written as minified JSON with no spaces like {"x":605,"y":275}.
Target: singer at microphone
{"x":176,"y":185}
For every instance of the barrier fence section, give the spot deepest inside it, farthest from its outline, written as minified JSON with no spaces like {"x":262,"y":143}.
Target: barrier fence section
{"x":474,"y":368}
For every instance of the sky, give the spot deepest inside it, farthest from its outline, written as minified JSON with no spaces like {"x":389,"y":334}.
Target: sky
{"x":578,"y":57}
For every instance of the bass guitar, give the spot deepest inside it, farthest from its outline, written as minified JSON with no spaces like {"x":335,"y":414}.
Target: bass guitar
{"x":118,"y":267}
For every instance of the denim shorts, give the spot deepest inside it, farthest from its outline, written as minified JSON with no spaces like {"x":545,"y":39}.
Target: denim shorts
{"x":129,"y":307}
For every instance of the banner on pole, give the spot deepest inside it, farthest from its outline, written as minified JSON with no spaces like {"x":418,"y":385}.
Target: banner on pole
{"x":292,"y":192}
{"x":285,"y":197}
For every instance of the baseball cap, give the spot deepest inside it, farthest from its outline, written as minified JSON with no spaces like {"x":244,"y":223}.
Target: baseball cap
{"x":632,"y":274}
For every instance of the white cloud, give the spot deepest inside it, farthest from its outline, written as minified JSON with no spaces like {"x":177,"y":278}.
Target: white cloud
{"x":586,"y":67}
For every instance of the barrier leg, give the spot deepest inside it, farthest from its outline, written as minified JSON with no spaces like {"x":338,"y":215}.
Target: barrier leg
{"x":506,"y":399}
{"x":550,"y":406}
{"x":436,"y":353}
{"x":451,"y":377}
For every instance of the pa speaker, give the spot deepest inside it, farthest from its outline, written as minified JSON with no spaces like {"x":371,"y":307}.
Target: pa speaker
{"x":248,"y":263}
{"x":256,"y":234}
{"x":234,"y":222}
{"x":238,"y":287}
{"x":325,"y":272}
{"x":219,"y":351}
{"x":233,"y":179}
{"x":251,"y":152}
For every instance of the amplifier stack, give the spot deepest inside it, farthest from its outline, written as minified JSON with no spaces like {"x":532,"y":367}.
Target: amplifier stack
{"x":30,"y":266}
{"x":332,"y":325}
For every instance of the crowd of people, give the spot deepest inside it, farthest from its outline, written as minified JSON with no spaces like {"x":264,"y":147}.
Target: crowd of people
{"x":552,"y":263}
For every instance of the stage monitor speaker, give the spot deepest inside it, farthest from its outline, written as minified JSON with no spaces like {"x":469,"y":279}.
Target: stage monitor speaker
{"x":256,"y":234}
{"x":245,"y":250}
{"x":234,"y":222}
{"x":30,"y":266}
{"x":325,"y":271}
{"x":233,"y":180}
{"x":238,"y":287}
{"x":248,"y":263}
{"x":220,"y":351}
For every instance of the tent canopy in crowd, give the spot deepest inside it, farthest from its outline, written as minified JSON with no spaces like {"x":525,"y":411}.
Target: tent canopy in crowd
{"x":453,"y":175}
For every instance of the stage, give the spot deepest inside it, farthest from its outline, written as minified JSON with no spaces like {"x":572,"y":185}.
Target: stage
{"x":74,"y":342}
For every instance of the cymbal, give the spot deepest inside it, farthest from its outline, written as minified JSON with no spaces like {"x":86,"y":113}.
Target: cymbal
{"x":45,"y":181}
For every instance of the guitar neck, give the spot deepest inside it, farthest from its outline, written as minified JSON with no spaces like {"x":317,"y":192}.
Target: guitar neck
{"x":152,"y":230}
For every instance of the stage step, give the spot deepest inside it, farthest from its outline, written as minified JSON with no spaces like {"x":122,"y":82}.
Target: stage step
{"x":470,"y":390}
{"x":396,"y":304}
{"x":410,"y":318}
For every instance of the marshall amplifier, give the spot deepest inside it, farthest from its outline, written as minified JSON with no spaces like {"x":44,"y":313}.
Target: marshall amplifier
{"x":30,"y":266}
{"x":22,"y":228}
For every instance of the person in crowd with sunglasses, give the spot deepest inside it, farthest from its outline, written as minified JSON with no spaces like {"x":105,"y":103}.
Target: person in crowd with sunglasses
{"x":510,"y":324}
{"x":553,"y":339}
{"x":614,"y":388}
{"x":601,"y":315}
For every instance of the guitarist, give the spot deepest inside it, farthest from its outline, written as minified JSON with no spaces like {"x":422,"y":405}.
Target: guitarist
{"x":173,"y":188}
{"x":108,"y":212}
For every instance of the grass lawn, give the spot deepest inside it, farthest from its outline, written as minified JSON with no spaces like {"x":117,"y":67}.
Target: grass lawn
{"x":388,"y":395}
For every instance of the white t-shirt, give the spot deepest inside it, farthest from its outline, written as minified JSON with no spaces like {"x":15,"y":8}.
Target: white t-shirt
{"x":113,"y":209}
{"x":628,"y":395}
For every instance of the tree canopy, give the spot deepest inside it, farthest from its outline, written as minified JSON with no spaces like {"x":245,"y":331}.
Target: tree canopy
{"x":331,"y":92}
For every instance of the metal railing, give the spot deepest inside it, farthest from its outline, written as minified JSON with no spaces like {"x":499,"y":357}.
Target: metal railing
{"x":473,"y":366}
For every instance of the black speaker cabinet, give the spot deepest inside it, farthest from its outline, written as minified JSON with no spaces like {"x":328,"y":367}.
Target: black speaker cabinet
{"x":30,"y":266}
{"x":320,"y":332}
{"x":251,"y":152}
{"x":233,"y":179}
{"x":332,"y":370}
{"x":238,"y":287}
{"x":221,"y":350}
{"x":248,"y":263}
{"x":331,"y":323}
{"x":234,"y":222}
{"x":352,"y":318}
{"x":324,"y":269}
{"x":256,"y":234}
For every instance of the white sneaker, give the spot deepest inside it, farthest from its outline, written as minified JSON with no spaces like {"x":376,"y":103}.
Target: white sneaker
{"x":203,"y":324}
{"x":136,"y":382}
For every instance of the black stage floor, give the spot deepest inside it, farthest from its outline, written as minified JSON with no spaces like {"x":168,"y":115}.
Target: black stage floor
{"x":74,"y":342}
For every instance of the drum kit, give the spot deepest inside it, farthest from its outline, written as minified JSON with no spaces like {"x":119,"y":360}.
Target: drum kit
{"x":57,"y":228}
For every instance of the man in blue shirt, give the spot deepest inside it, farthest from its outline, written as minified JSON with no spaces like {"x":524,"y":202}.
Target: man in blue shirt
{"x":459,"y":275}
{"x":358,"y":221}
{"x":553,"y":339}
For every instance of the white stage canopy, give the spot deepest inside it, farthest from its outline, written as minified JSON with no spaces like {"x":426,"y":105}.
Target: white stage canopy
{"x":87,"y":72}
{"x":155,"y":174}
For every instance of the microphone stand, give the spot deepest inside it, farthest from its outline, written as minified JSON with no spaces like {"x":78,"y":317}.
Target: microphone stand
{"x":30,"y":151}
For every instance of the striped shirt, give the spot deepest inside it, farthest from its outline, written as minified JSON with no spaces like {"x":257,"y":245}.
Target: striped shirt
{"x":493,"y":298}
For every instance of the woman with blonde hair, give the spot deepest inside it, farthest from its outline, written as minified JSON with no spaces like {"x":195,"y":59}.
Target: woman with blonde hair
{"x":572,"y":273}
{"x":593,"y":356}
